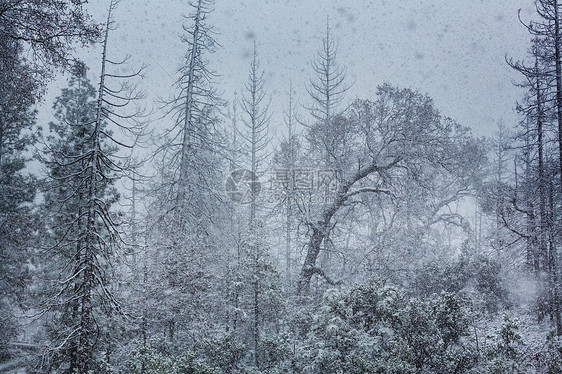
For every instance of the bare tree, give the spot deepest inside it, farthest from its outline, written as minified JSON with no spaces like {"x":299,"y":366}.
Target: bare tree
{"x":193,"y":108}
{"x":327,"y":89}
{"x":544,"y":102}
{"x":255,"y":141}
{"x":289,"y":162}
{"x":398,"y":135}
{"x":187,"y":204}
{"x":256,"y":121}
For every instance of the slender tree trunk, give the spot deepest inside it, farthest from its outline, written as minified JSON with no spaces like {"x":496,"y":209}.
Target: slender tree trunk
{"x":256,"y":327}
{"x":234,"y":228}
{"x":532,"y":241}
{"x":557,"y":39}
{"x":1,"y":142}
{"x":187,"y":126}
{"x":499,"y":179}
{"x":554,"y":276}
{"x":290,"y":193}
{"x":236,"y":289}
{"x":254,"y":129}
{"x":75,"y":309}
{"x":543,"y":229}
{"x":144,"y":324}
{"x":557,"y":46}
{"x":87,"y":319}
{"x":288,"y":243}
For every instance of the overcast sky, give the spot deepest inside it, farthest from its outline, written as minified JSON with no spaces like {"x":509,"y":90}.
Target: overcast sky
{"x":453,"y":50}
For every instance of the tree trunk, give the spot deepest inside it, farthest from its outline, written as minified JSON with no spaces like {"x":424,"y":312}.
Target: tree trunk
{"x":543,"y":227}
{"x":187,"y":126}
{"x":554,"y":277}
{"x":557,"y":40}
{"x":557,"y":37}
{"x":1,"y":142}
{"x":321,"y":229}
{"x":87,"y":319}
{"x":256,"y":327}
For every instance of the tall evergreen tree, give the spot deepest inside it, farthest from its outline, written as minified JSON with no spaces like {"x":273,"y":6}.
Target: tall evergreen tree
{"x":84,"y":162}
{"x":47,"y":29}
{"x":17,"y":188}
{"x":66,"y":197}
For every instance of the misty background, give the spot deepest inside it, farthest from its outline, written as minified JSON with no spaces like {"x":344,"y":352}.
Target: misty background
{"x":454,"y":51}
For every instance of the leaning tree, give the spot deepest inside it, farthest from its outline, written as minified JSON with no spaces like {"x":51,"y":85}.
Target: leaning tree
{"x":378,"y":144}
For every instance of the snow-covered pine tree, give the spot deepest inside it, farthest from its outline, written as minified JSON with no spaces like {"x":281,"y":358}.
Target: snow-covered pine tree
{"x":17,"y":188}
{"x":84,"y":158}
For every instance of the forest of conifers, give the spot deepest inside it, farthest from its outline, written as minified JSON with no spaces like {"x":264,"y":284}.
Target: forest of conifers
{"x":377,"y":235}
